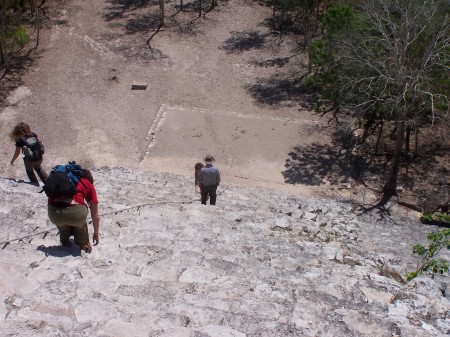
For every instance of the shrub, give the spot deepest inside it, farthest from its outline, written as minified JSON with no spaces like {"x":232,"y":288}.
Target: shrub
{"x":429,"y":264}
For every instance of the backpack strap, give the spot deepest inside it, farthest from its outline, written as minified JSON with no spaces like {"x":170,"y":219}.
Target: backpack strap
{"x":23,"y":139}
{"x":81,"y":182}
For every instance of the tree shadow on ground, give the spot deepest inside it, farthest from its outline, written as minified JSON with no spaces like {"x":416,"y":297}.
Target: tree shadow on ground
{"x":240,"y":42}
{"x":279,"y":90}
{"x":142,"y":23}
{"x":11,"y":78}
{"x":193,"y":7}
{"x":143,"y":54}
{"x":275,"y":62}
{"x":317,"y":164}
{"x":427,"y":176}
{"x":117,"y":9}
{"x":134,"y":17}
{"x":288,"y":25}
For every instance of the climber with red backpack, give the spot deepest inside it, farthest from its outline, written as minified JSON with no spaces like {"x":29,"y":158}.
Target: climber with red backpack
{"x":32,"y":149}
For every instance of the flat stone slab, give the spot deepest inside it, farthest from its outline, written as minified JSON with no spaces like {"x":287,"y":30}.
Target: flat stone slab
{"x":139,"y":86}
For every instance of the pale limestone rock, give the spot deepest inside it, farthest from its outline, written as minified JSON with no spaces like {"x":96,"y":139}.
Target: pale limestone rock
{"x":360,"y":324}
{"x":198,"y":275}
{"x":168,"y":266}
{"x":18,"y":95}
{"x":310,"y":216}
{"x":374,"y":295}
{"x":117,"y":327}
{"x":333,"y":252}
{"x":221,"y":331}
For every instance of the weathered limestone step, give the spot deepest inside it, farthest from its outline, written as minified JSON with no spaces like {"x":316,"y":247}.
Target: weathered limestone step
{"x":261,"y":262}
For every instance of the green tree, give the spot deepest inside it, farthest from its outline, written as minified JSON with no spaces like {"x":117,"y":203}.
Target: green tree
{"x":15,"y":16}
{"x":388,"y":61}
{"x":299,"y":14}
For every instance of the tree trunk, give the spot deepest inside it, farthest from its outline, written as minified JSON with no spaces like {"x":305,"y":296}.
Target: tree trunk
{"x":273,"y":16}
{"x":408,"y":140}
{"x":37,"y":22}
{"x":317,"y":17}
{"x":32,"y":7}
{"x":22,"y":6}
{"x":161,"y":12}
{"x":2,"y":54}
{"x":364,"y":136}
{"x":380,"y":133}
{"x":416,"y":144}
{"x":2,"y":33}
{"x":390,"y":187}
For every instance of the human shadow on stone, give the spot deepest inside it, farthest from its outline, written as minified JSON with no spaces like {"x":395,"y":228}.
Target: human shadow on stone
{"x":60,"y":251}
{"x":19,"y":181}
{"x":13,"y":179}
{"x":240,"y":42}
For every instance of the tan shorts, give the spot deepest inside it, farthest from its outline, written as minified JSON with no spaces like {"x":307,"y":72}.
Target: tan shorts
{"x":70,"y":221}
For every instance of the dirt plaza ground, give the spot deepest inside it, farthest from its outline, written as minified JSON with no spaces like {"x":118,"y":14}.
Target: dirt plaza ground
{"x":210,"y":90}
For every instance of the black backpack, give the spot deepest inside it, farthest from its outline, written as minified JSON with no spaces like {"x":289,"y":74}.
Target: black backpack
{"x":33,"y":148}
{"x":62,"y":181}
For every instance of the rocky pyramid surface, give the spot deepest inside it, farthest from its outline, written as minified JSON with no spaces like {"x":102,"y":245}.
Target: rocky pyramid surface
{"x":260,"y":263}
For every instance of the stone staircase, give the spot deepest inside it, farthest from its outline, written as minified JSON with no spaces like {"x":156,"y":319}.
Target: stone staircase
{"x":260,"y":263}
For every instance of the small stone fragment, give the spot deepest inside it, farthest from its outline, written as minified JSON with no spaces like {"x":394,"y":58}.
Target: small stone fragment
{"x":139,"y":86}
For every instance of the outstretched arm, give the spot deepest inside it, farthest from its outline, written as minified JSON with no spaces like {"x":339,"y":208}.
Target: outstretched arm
{"x":96,"y":222}
{"x":16,"y":155}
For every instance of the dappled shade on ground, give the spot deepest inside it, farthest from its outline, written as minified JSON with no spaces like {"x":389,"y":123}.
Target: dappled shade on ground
{"x":279,"y":91}
{"x":317,"y":164}
{"x":243,"y":41}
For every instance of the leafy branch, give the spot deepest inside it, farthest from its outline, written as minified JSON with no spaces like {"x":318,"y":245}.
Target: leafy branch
{"x":429,"y":263}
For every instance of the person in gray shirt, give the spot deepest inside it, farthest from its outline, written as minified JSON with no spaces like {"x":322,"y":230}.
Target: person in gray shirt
{"x":209,"y":179}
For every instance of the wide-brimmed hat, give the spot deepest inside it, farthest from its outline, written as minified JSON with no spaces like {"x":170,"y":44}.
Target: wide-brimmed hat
{"x":209,"y":158}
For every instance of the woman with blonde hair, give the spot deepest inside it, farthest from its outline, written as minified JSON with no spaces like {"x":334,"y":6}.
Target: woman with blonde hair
{"x":28,"y":142}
